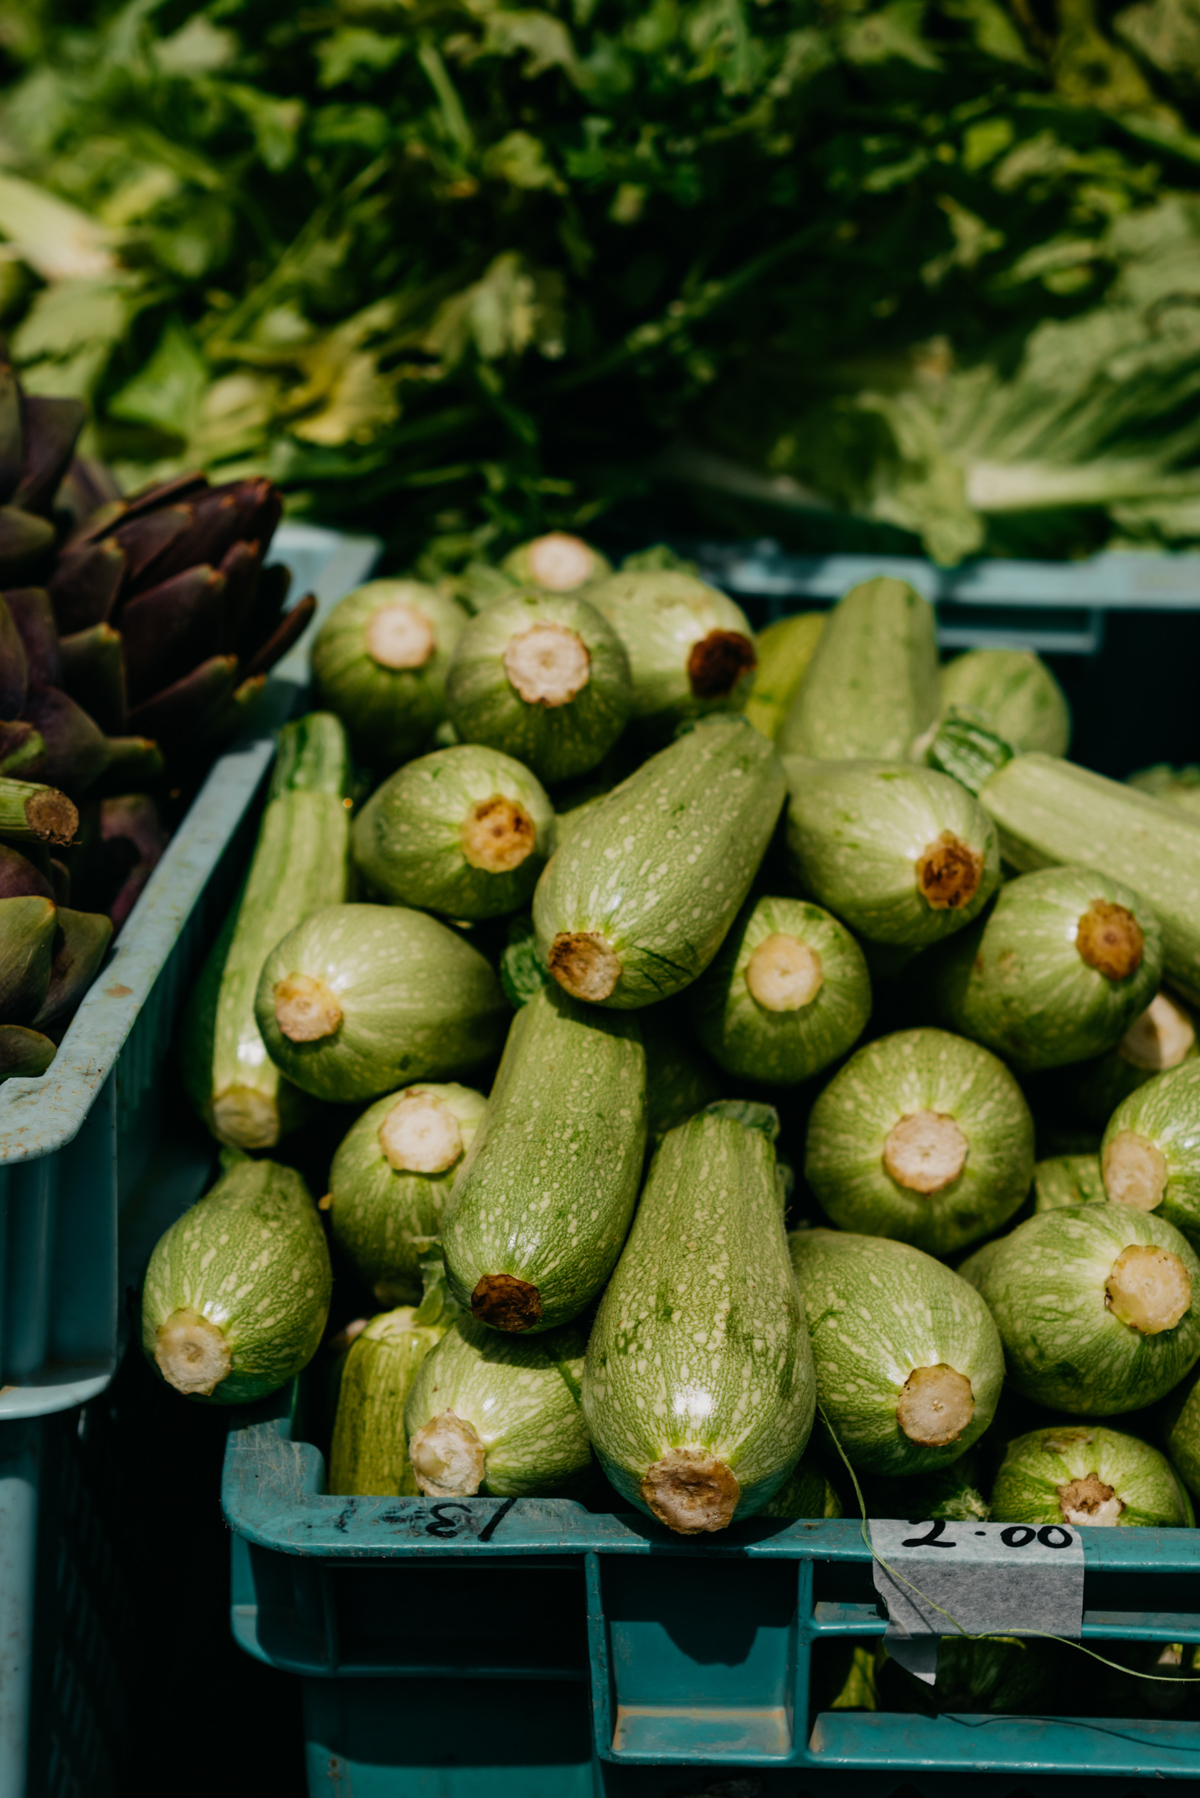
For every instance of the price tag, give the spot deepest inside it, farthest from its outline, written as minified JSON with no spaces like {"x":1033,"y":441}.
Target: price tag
{"x":1008,"y":1579}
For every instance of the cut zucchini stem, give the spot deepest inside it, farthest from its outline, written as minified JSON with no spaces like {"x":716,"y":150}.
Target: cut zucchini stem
{"x":1149,"y":1289}
{"x":784,"y":974}
{"x":718,"y":662}
{"x":447,"y":1457}
{"x":547,"y":664}
{"x":420,"y":1135}
{"x":584,"y":965}
{"x":305,"y":1009}
{"x":560,"y":562}
{"x":936,"y":1405}
{"x":691,"y":1491}
{"x":192,"y":1353}
{"x":1089,"y":1500}
{"x":400,"y":636}
{"x":1135,"y":1172}
{"x":1160,"y":1038}
{"x":505,"y":1303}
{"x":498,"y":835}
{"x":1110,"y":940}
{"x":925,"y":1151}
{"x":247,"y":1117}
{"x":948,"y":873}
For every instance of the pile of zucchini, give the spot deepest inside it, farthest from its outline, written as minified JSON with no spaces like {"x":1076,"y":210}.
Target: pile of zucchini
{"x":590,"y":942}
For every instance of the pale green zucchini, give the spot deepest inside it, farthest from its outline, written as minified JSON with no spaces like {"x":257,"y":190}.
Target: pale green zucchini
{"x":1094,"y":1305}
{"x":556,"y":562}
{"x":871,"y":689}
{"x":636,"y":902}
{"x":543,"y":1200}
{"x":542,"y":677}
{"x":1150,"y":1155}
{"x":1162,"y":1037}
{"x":784,"y":650}
{"x":690,"y":647}
{"x":1057,"y":972}
{"x":698,"y":1389}
{"x":362,"y":999}
{"x":391,"y":1179}
{"x":787,"y":994}
{"x":237,"y":1290}
{"x":499,"y":1414}
{"x":380,"y":661}
{"x":909,"y":1364}
{"x":1063,"y":1180}
{"x":1049,"y":812}
{"x":903,"y":855}
{"x":1084,"y":1474}
{"x":1014,"y":693}
{"x":1178,"y":786}
{"x":464,"y":832}
{"x":301,"y":862}
{"x":369,"y":1453}
{"x":922,"y":1137}
{"x":1180,"y":1424}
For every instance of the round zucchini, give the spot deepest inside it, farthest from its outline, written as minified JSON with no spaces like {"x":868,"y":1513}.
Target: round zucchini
{"x":542,"y":677}
{"x":1150,"y":1154}
{"x":556,"y":562}
{"x":361,"y":999}
{"x":1094,"y":1305}
{"x":691,"y":650}
{"x":1085,"y":1474}
{"x":1014,"y":693}
{"x":391,"y":1179}
{"x":369,"y":1453}
{"x":380,"y":662}
{"x":922,"y":1137}
{"x":909,"y":1363}
{"x":465,"y":832}
{"x":1057,"y":972}
{"x":787,"y":994}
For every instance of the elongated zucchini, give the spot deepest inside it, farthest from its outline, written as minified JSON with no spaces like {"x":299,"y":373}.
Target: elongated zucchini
{"x":370,"y":1447}
{"x":871,"y":688}
{"x":542,"y":1203}
{"x":301,"y":862}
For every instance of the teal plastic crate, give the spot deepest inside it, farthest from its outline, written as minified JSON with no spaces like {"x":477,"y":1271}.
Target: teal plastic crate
{"x":77,"y":1143}
{"x":684,"y":1656}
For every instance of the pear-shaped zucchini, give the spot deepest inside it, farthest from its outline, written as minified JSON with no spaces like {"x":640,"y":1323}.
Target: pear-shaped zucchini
{"x":787,"y":994}
{"x":636,"y":902}
{"x":909,"y":1364}
{"x":542,"y":677}
{"x":465,"y":832}
{"x":1150,"y":1155}
{"x":369,"y":1453}
{"x":1094,"y":1305}
{"x":1160,"y":1038}
{"x":922,"y":1137}
{"x":872,"y":686}
{"x":1014,"y":693}
{"x":556,"y":562}
{"x":904,"y":856}
{"x":380,"y":660}
{"x":237,"y":1291}
{"x":361,"y":999}
{"x":391,"y":1179}
{"x":1057,"y":972}
{"x":698,"y":1389}
{"x":690,"y":647}
{"x":499,"y":1414}
{"x":1084,"y":1474}
{"x":542,"y":1203}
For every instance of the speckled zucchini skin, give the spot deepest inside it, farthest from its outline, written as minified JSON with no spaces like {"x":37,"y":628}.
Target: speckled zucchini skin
{"x":1063,"y":1180}
{"x":417,"y":1002}
{"x":1014,"y":693}
{"x":876,"y":1311}
{"x":408,"y":838}
{"x":389,"y":713}
{"x":370,"y":1447}
{"x":520,"y":1395}
{"x":872,"y":686}
{"x":251,"y":1258}
{"x":383,"y":1217}
{"x":1166,"y":1112}
{"x":660,"y":866}
{"x":1045,"y":1285}
{"x":781,"y":1048}
{"x":1016,"y":982}
{"x":699,"y":1341}
{"x":1049,"y":812}
{"x":856,"y":832}
{"x":547,"y":1189}
{"x":1180,"y":1423}
{"x":1036,"y":1466}
{"x":660,"y":616}
{"x":557,"y":742}
{"x":899,"y":1076}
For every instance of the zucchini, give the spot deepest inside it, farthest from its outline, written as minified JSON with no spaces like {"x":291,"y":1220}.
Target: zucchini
{"x":543,"y":1200}
{"x":1094,"y":1305}
{"x":784,"y":650}
{"x":1014,"y":693}
{"x":1180,"y":1425}
{"x":1084,"y":1474}
{"x":1150,"y":1155}
{"x":379,"y":662}
{"x":542,"y":677}
{"x":1057,"y":972}
{"x":391,"y":1179}
{"x":1049,"y":812}
{"x":556,"y":562}
{"x":1162,"y":1037}
{"x":237,"y":1290}
{"x":301,"y":862}
{"x":499,"y":1415}
{"x":909,"y":1364}
{"x":787,"y":994}
{"x":698,"y":1389}
{"x":871,"y":689}
{"x":465,"y":832}
{"x":369,"y":1453}
{"x":1178,"y":786}
{"x":361,"y":999}
{"x":1068,"y":1180}
{"x":690,"y":647}
{"x":636,"y":902}
{"x":922,"y":1137}
{"x":903,"y":855}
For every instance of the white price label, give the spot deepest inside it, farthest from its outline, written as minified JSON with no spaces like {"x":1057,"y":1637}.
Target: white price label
{"x":1008,"y":1579}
